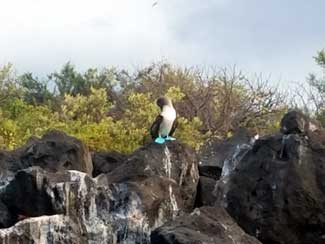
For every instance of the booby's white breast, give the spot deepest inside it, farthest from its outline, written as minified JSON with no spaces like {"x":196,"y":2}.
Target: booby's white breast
{"x":168,"y":113}
{"x":169,"y":116}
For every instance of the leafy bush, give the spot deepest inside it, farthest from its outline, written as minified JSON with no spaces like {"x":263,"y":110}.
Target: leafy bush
{"x":20,"y":121}
{"x":113,"y":109}
{"x":91,"y":108}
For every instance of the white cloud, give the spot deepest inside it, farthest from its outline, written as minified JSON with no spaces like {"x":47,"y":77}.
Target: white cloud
{"x":40,"y":35}
{"x":87,"y":32}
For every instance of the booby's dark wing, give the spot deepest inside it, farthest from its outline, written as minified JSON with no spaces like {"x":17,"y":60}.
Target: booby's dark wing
{"x":154,"y":129}
{"x":175,"y":124}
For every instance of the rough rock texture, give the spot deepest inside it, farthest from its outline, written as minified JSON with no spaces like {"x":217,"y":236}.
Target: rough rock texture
{"x":216,"y":151}
{"x":172,"y":161}
{"x":272,"y":187}
{"x":55,"y":151}
{"x":206,"y":225}
{"x":207,"y":182}
{"x":316,"y":140}
{"x":205,"y":192}
{"x":210,"y":171}
{"x":295,"y":122}
{"x":25,"y":196}
{"x":220,"y":161}
{"x":55,"y":229}
{"x":82,"y":209}
{"x":276,"y":191}
{"x":105,"y":162}
{"x":71,"y":197}
{"x":153,"y":186}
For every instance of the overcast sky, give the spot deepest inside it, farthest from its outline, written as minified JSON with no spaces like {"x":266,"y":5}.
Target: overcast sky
{"x":277,"y":37}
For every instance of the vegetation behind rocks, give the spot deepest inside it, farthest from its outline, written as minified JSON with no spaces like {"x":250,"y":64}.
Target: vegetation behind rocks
{"x":112,"y":109}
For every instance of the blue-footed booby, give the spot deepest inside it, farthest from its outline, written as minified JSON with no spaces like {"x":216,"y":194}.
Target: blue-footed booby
{"x":165,"y":124}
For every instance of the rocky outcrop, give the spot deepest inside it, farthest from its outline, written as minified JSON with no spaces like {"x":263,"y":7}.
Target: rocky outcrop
{"x":215,"y":151}
{"x":210,"y":171}
{"x":220,"y":161}
{"x":153,"y":185}
{"x":295,"y":122}
{"x":276,"y":190}
{"x":70,"y":206}
{"x":55,"y":151}
{"x":172,"y":161}
{"x":45,"y":229}
{"x":205,"y":192}
{"x":25,"y":196}
{"x":105,"y":162}
{"x":271,"y":189}
{"x":218,"y":157}
{"x":206,"y":225}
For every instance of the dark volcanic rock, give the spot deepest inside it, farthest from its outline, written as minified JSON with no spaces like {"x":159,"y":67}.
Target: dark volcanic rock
{"x":317,"y":140}
{"x":173,"y":161}
{"x":206,"y":225}
{"x":25,"y":196}
{"x":205,"y":192}
{"x":216,"y":151}
{"x":67,"y":204}
{"x":218,"y":157}
{"x":76,"y":206}
{"x":153,"y":186}
{"x":6,"y":218}
{"x":55,"y":151}
{"x":276,"y":191}
{"x":105,"y":162}
{"x":210,"y":171}
{"x":295,"y":122}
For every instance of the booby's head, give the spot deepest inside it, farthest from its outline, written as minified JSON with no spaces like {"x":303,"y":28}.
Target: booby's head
{"x":164,"y":101}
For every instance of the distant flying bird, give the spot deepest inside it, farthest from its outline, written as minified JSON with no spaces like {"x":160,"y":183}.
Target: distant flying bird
{"x":154,"y":4}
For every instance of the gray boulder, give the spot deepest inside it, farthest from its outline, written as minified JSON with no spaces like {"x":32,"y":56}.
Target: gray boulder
{"x":276,"y":191}
{"x":215,"y":151}
{"x":154,"y":185}
{"x":295,"y":122}
{"x":55,"y":151}
{"x":172,"y":161}
{"x":206,"y":225}
{"x":105,"y":162}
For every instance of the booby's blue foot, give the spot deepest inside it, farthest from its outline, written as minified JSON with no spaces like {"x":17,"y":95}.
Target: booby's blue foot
{"x":160,"y":140}
{"x":169,"y":138}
